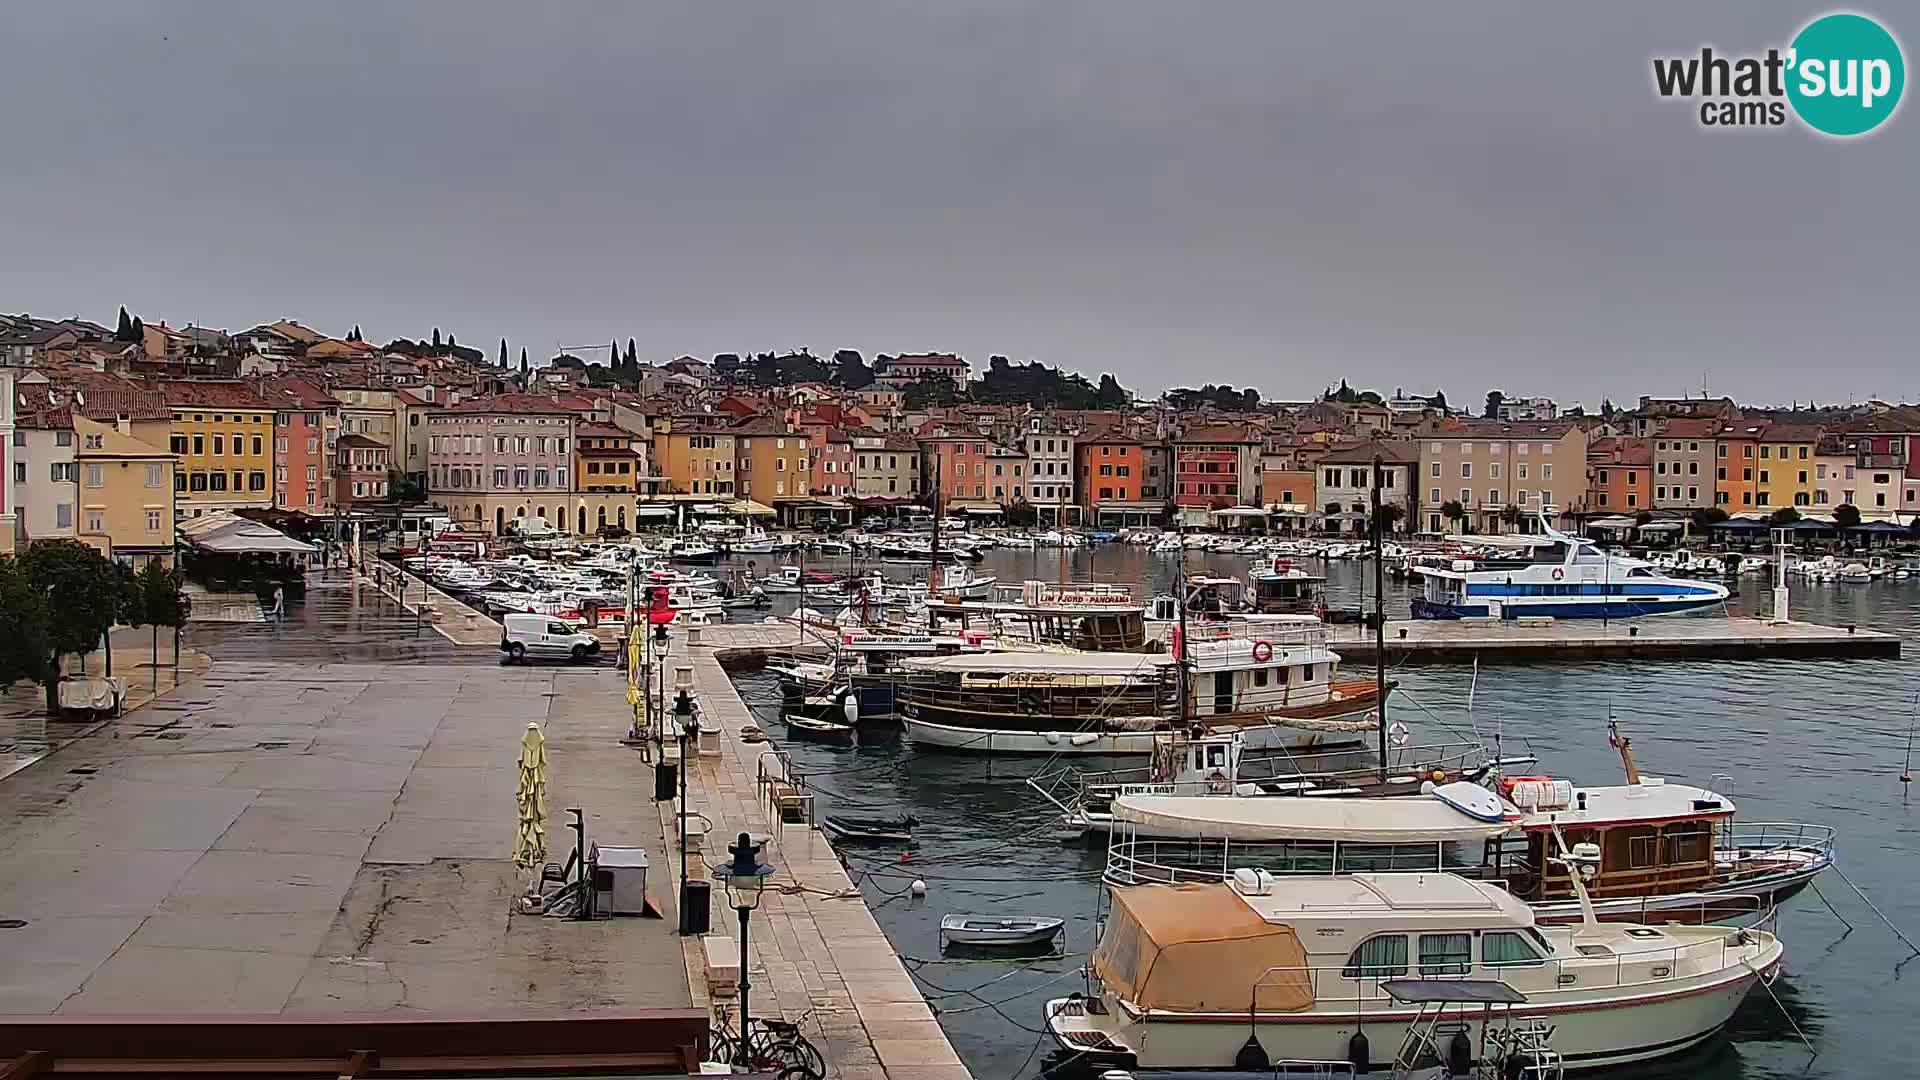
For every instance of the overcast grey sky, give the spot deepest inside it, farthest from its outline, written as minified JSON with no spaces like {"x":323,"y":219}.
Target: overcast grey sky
{"x":1422,"y":195}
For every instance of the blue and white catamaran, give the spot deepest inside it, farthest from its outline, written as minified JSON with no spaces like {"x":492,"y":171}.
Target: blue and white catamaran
{"x":1566,"y":577}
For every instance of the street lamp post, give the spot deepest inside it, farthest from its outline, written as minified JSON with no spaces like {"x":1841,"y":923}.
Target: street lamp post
{"x":744,"y":877}
{"x":689,"y":736}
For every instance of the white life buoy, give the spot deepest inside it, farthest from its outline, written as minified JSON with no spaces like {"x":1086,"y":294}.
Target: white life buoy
{"x":1558,"y":573}
{"x":1399,"y":733}
{"x":1262,"y":652}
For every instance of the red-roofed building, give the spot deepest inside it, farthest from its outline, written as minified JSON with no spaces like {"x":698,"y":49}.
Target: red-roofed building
{"x":1683,"y":463}
{"x":1112,"y":469}
{"x":1215,"y":466}
{"x":223,"y":435}
{"x":911,"y":367}
{"x":1620,"y":475}
{"x":360,"y":471}
{"x":306,"y":430}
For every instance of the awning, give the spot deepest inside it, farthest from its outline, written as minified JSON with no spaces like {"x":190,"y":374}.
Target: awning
{"x":1241,"y":512}
{"x":1662,"y":527}
{"x":232,"y":535}
{"x":983,"y":511}
{"x":1413,"y":820}
{"x":1290,"y":509}
{"x":1617,"y":521}
{"x":653,"y":511}
{"x":1741,"y":525}
{"x":749,"y":507}
{"x":1877,"y":527}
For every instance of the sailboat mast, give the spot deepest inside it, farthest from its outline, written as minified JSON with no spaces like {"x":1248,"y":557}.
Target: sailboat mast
{"x":1180,"y":615}
{"x":933,"y":557}
{"x":1379,"y":618}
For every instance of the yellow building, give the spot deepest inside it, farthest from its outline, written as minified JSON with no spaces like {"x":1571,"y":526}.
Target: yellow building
{"x":126,"y":493}
{"x":223,"y":437}
{"x":773,"y":462}
{"x":1787,"y":472}
{"x":605,"y":458}
{"x":695,"y":456}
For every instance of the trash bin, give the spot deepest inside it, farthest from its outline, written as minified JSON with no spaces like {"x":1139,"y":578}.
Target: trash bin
{"x":696,"y":902}
{"x":666,"y":781}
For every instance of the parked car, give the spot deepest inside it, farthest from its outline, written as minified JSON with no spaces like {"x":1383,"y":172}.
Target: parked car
{"x":523,"y":635}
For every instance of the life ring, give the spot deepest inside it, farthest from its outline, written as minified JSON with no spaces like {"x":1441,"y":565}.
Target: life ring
{"x":1558,"y":573}
{"x":1262,"y":652}
{"x":1399,"y":733}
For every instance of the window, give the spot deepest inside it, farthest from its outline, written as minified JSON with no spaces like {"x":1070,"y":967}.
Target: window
{"x":257,"y":444}
{"x":216,"y":481}
{"x":153,"y":519}
{"x":1466,"y":470}
{"x":256,"y":481}
{"x":1446,"y":954}
{"x":1763,"y":451}
{"x":1546,"y":471}
{"x":63,"y":516}
{"x":1503,"y":948}
{"x":96,"y":476}
{"x":1383,"y":957}
{"x":96,"y":521}
{"x":1746,"y":474}
{"x":63,"y":438}
{"x":1493,"y":496}
{"x":1434,"y":470}
{"x":217,"y":443}
{"x":1493,"y":471}
{"x":62,"y":472}
{"x":1433,"y":496}
{"x":1747,"y":450}
{"x":1523,"y":470}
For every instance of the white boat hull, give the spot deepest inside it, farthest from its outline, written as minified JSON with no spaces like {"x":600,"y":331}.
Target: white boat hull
{"x":1258,"y":737}
{"x":1589,"y":1031}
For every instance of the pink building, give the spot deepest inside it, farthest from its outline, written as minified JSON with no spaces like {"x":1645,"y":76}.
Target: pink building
{"x":511,"y":456}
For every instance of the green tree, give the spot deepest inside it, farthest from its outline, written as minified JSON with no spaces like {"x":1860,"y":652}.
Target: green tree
{"x":1387,"y":516}
{"x":123,"y":330}
{"x":1438,"y":400}
{"x":614,"y":364}
{"x":1022,"y":514}
{"x":931,"y":390}
{"x":1453,"y":511}
{"x":163,"y":602}
{"x":26,"y":646}
{"x":503,"y":353}
{"x":1512,"y":515}
{"x":139,"y":330}
{"x":436,"y":339}
{"x":403,"y":488}
{"x":84,"y":595}
{"x":1495,"y":399}
{"x":850,"y":370}
{"x":1846,"y":515}
{"x":523,"y":360}
{"x":1786,"y":515}
{"x":1111,"y":395}
{"x":633,"y":361}
{"x":354,"y":334}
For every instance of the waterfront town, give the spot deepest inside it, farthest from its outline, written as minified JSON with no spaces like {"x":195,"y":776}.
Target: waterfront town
{"x":117,"y":435}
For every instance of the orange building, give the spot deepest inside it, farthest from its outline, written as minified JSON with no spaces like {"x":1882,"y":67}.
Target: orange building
{"x":1619,"y":472}
{"x":1736,"y":483}
{"x":1112,"y":471}
{"x":956,"y":467}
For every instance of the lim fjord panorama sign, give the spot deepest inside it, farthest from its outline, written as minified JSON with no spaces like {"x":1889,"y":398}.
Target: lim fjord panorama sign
{"x":1842,"y":75}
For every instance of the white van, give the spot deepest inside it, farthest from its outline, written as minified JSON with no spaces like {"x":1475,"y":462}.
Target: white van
{"x":523,"y":635}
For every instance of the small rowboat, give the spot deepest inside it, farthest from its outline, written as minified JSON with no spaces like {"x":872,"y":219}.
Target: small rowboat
{"x":991,"y":930}
{"x":869,"y":830}
{"x":814,"y":729}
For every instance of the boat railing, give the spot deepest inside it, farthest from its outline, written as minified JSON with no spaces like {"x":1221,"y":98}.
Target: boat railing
{"x":1172,"y":861}
{"x":1286,"y":766}
{"x":1277,"y":634}
{"x":1754,"y":840}
{"x":1654,"y":965}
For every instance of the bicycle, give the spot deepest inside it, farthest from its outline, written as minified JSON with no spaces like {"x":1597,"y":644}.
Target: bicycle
{"x":773,"y":1045}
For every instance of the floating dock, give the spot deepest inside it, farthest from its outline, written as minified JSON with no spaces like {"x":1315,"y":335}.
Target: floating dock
{"x":1439,"y":641}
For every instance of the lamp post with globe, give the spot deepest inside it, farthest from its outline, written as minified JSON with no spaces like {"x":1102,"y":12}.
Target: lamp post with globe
{"x":745,"y":877}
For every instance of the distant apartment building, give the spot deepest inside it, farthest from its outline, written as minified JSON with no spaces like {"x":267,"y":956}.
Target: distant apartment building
{"x":1343,"y":488}
{"x":607,"y":459}
{"x":771,"y":462}
{"x":1786,"y":464}
{"x":1049,"y":451}
{"x":1683,"y":464}
{"x":1112,"y":468}
{"x":954,"y":467}
{"x":222,"y":434}
{"x":1006,"y":470}
{"x":1531,"y":408}
{"x":1885,"y":448}
{"x":1736,"y":465}
{"x":695,"y":456}
{"x":911,"y":367}
{"x":360,"y":471}
{"x":125,"y":493}
{"x":832,"y":463}
{"x":885,"y":466}
{"x":8,"y":489}
{"x":1215,"y":466}
{"x":306,"y":430}
{"x":46,"y":474}
{"x":493,"y":460}
{"x":1620,"y":475}
{"x":1489,"y":466}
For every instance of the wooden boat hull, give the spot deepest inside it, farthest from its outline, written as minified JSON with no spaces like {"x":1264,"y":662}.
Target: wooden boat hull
{"x":1260,"y":733}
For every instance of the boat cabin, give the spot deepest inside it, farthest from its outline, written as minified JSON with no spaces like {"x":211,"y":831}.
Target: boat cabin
{"x":1092,"y":618}
{"x":1259,"y":667}
{"x":1281,"y":588}
{"x":1654,"y":838}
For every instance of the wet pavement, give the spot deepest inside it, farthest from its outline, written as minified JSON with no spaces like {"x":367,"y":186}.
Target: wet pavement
{"x":312,"y":828}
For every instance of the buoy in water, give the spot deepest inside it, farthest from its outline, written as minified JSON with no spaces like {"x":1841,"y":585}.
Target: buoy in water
{"x":918,"y":888}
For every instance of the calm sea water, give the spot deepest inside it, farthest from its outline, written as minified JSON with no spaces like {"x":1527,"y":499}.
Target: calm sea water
{"x":1814,"y":741}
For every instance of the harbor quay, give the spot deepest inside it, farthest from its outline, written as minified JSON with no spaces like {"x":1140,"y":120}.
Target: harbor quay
{"x":1429,"y":641}
{"x":327,"y":839}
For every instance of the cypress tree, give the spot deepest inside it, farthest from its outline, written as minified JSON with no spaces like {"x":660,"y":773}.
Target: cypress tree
{"x":436,"y":338}
{"x":633,"y":360}
{"x":503,"y":352}
{"x":523,"y":360}
{"x":123,"y":330}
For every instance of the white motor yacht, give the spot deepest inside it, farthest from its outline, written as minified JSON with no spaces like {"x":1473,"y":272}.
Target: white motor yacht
{"x":1299,"y":970}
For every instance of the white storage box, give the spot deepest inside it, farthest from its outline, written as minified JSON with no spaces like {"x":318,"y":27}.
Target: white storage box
{"x":628,"y":867}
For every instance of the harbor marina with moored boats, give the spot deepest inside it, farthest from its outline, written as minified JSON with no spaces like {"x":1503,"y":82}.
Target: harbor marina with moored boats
{"x":1178,"y":736}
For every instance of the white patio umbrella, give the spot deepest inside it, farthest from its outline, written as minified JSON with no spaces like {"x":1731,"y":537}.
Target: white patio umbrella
{"x":530,"y":838}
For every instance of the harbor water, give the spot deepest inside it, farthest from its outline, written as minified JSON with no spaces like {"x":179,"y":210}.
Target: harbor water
{"x":1819,"y":741}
